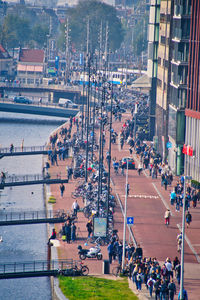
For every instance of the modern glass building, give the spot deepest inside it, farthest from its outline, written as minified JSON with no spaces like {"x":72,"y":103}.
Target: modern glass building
{"x":164,"y":75}
{"x":153,"y":39}
{"x":178,"y":84}
{"x":192,"y":112}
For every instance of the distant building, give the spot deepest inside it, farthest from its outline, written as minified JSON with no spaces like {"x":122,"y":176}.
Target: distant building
{"x":6,"y":64}
{"x":153,"y":39}
{"x":163,"y":76}
{"x":192,"y":112}
{"x":30,"y":66}
{"x":178,"y":85}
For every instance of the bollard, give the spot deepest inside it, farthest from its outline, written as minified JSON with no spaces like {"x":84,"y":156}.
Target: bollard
{"x":106,"y":267}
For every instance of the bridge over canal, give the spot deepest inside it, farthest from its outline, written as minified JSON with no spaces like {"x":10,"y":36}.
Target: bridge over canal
{"x":18,"y":151}
{"x":8,"y":218}
{"x":30,"y":179}
{"x":46,"y":110}
{"x":35,"y":268}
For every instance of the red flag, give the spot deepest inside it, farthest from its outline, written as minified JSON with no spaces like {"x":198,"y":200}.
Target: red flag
{"x":184,"y":149}
{"x":190,"y":151}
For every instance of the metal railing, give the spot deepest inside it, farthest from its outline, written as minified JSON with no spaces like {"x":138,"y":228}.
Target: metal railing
{"x":39,"y":104}
{"x":41,"y":86}
{"x":36,"y":266}
{"x":31,"y":215}
{"x":24,"y":149}
{"x":32,"y":177}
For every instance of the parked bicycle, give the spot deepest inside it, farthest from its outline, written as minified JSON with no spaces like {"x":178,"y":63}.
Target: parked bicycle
{"x":117,"y":271}
{"x":79,"y":269}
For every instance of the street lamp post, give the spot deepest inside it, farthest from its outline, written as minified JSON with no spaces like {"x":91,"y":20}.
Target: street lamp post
{"x":125,"y":213}
{"x":109,"y":161}
{"x":183,"y":238}
{"x":87,"y":129}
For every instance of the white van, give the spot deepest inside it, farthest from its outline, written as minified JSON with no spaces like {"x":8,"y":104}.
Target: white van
{"x":63,"y":102}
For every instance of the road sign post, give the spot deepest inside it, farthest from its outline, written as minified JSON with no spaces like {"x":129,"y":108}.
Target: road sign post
{"x":130,"y":221}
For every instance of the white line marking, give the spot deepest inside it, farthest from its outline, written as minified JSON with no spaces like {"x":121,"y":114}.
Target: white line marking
{"x":142,"y":196}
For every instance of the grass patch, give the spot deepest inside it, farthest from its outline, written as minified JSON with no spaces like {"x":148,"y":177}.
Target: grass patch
{"x":90,"y":288}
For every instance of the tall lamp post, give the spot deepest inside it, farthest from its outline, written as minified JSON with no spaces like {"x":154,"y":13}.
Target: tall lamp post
{"x":88,"y":114}
{"x":183,"y":238}
{"x":125,"y":213}
{"x":109,"y":150}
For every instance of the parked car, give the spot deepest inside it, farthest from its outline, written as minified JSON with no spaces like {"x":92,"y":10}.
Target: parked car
{"x":21,"y":99}
{"x":67,"y":103}
{"x":131,"y":162}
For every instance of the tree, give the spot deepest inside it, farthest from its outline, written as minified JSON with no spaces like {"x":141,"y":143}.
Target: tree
{"x":97,"y":13}
{"x":39,"y":34}
{"x":15,"y":31}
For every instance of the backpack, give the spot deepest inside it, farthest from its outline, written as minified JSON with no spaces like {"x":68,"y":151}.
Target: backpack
{"x":138,"y":277}
{"x":150,"y":282}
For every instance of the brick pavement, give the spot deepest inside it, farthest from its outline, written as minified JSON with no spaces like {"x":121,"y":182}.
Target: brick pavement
{"x":147,"y":202}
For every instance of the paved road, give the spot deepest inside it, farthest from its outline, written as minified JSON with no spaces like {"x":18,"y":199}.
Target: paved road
{"x":147,"y":203}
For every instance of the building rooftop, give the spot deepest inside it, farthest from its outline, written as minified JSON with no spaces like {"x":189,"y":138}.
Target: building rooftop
{"x":4,"y":53}
{"x":31,"y":55}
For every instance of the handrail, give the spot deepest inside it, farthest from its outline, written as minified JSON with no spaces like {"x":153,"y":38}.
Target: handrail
{"x":31,"y":215}
{"x":36,"y":266}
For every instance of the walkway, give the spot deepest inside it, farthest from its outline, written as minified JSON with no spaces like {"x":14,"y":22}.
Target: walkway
{"x":147,"y":203}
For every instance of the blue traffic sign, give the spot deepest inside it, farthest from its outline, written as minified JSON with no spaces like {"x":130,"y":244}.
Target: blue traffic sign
{"x":130,"y":220}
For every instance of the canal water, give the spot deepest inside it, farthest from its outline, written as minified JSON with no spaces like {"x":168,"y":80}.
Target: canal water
{"x":24,"y":242}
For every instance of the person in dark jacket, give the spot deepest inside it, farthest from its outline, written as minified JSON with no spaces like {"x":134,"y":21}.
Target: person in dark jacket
{"x":138,"y":251}
{"x":89,"y":227}
{"x":172,"y":289}
{"x":68,"y":232}
{"x":53,"y":235}
{"x":110,"y":249}
{"x":188,"y":218}
{"x":62,"y":189}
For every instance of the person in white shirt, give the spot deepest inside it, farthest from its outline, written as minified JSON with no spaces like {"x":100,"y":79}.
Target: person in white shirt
{"x":75,"y":207}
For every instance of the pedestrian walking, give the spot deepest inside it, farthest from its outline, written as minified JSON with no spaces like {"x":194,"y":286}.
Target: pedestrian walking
{"x":167,"y":217}
{"x":68,"y":232}
{"x":165,"y":182}
{"x":110,"y":249}
{"x":89,"y":227}
{"x":150,"y":284}
{"x":73,"y":229}
{"x":119,"y":253}
{"x":3,"y":177}
{"x":22,"y":145}
{"x":75,"y":208}
{"x":139,"y":168}
{"x":185,"y":295}
{"x":127,"y":189}
{"x":62,"y":189}
{"x":139,"y":280}
{"x":171,"y":289}
{"x":11,"y":148}
{"x":179,"y":242}
{"x":188,"y":218}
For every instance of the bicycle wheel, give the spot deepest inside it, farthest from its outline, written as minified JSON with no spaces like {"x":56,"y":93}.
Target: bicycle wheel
{"x":101,"y":242}
{"x":75,"y":195}
{"x":80,"y":183}
{"x":86,"y":212}
{"x":82,"y":256}
{"x":116,"y":271}
{"x":84,"y":270}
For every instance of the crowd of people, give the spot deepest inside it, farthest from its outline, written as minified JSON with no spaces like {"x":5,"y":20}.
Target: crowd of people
{"x":143,"y":271}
